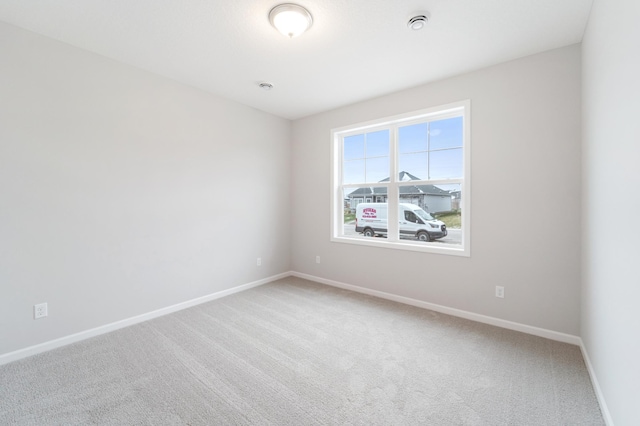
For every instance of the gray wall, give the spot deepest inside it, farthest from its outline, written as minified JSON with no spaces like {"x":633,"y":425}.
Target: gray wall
{"x":525,"y":118}
{"x":119,"y":191}
{"x":611,"y":151}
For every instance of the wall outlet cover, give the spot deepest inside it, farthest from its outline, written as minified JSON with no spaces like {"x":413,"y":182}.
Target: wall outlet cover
{"x":40,"y":310}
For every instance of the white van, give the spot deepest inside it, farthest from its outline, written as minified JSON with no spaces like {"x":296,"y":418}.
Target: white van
{"x":371,"y":220}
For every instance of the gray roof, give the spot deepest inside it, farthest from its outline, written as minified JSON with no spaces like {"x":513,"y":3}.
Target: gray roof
{"x":404,"y":190}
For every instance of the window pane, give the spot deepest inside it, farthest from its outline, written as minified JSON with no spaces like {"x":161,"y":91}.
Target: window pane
{"x":445,"y":133}
{"x":377,"y":169}
{"x":430,"y":214}
{"x":412,"y":138}
{"x":370,"y":204}
{"x":354,"y":147}
{"x":445,"y":164}
{"x":353,"y":171}
{"x":366,"y":157}
{"x":414,"y":164}
{"x":378,"y":144}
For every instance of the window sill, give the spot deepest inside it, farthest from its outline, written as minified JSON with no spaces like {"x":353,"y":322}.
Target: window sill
{"x":432,"y":247}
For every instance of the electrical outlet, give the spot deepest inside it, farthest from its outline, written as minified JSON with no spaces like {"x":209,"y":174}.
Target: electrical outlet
{"x":40,"y":310}
{"x":317,"y":259}
{"x":259,"y":262}
{"x":500,"y":291}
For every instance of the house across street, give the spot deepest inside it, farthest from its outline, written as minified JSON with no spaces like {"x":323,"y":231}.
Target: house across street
{"x":429,"y":198}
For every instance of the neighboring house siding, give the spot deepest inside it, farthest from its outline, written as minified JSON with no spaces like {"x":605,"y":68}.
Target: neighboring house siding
{"x":436,"y":203}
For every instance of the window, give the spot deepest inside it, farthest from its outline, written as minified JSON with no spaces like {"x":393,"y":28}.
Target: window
{"x":410,"y":216}
{"x":403,"y":182}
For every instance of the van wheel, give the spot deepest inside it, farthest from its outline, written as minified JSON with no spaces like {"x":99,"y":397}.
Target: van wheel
{"x":369,"y":233}
{"x":424,"y":236}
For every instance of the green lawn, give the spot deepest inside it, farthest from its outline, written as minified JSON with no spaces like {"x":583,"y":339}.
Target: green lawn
{"x":453,"y":220}
{"x":348,"y":217}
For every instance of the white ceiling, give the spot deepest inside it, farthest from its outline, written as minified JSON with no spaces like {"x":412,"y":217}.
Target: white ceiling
{"x":355,"y":50}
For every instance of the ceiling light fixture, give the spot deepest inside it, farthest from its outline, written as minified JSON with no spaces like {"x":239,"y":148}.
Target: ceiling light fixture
{"x":418,"y":22}
{"x":290,"y":19}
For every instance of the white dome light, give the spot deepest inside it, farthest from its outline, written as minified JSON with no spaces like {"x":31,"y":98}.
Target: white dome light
{"x":290,"y":19}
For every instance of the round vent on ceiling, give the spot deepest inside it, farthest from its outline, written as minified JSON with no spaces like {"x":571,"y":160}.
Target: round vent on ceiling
{"x":418,"y":22}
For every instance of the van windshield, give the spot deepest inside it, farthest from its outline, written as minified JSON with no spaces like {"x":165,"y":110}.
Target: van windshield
{"x":424,"y":215}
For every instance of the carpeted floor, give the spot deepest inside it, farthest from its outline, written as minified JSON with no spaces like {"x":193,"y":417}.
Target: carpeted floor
{"x":298,"y":353}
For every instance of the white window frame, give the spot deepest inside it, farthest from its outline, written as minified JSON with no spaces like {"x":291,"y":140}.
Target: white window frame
{"x":455,"y":109}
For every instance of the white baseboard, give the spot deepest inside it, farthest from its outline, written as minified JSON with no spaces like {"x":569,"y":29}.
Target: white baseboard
{"x":536,"y":331}
{"x":606,"y":415}
{"x":66,"y":340}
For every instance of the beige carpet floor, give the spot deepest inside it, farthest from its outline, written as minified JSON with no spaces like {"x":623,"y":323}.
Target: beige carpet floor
{"x":294,"y":352}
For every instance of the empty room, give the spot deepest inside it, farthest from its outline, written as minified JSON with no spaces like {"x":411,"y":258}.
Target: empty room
{"x":319,"y":213}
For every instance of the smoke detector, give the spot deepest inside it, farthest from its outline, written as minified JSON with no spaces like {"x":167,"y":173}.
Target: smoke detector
{"x":418,"y":22}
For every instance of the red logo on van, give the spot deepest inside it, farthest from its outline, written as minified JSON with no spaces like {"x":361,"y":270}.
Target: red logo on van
{"x":369,"y":213}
